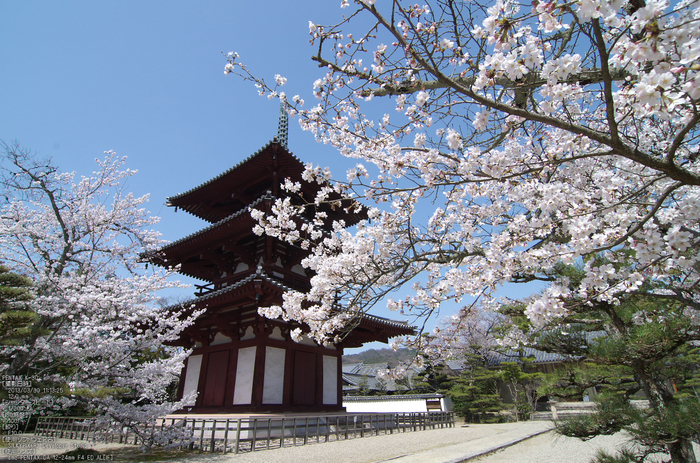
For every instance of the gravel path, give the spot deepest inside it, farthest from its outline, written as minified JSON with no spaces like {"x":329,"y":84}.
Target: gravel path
{"x":553,"y":448}
{"x":448,"y":445}
{"x":361,"y":450}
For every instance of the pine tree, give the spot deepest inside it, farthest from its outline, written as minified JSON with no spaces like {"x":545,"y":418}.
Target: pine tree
{"x":640,"y":346}
{"x":475,"y":394}
{"x":434,"y":378}
{"x":523,"y":384}
{"x":17,"y":320}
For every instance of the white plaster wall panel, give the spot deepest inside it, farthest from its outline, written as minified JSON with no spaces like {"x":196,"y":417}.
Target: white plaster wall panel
{"x":330,"y":380}
{"x":249,"y":334}
{"x":194,"y":366}
{"x":446,"y":404}
{"x":243,"y":391}
{"x":277,"y":334}
{"x":273,"y":384}
{"x":220,"y":339}
{"x":304,"y":340}
{"x":386,"y":406}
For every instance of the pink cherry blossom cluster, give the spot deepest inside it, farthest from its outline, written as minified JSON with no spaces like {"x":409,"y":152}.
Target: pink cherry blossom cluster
{"x":82,"y":241}
{"x":525,"y":137}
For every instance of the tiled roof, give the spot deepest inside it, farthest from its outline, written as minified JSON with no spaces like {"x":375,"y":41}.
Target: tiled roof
{"x":380,"y":398}
{"x":371,"y":369}
{"x":537,"y":356}
{"x":219,"y":223}
{"x":259,"y":274}
{"x":358,"y":376}
{"x":232,"y":169}
{"x":351,"y":367}
{"x":386,"y":321}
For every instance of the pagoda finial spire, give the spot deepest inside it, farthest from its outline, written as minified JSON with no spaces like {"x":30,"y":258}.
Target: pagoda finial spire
{"x":283,"y":126}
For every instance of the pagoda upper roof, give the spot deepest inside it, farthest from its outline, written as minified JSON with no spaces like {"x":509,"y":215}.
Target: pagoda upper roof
{"x":239,"y":186}
{"x":194,"y":252}
{"x":173,"y":253}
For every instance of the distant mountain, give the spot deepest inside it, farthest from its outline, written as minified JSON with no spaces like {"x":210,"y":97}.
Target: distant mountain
{"x":389,"y":356}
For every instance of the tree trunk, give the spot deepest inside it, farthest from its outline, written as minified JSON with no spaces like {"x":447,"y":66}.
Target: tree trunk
{"x":681,"y":451}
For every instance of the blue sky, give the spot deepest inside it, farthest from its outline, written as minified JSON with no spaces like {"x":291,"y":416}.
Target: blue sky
{"x":146,"y":80}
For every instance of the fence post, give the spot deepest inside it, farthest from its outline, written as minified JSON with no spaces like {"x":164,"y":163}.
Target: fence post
{"x":269,"y":432}
{"x":282,"y":433}
{"x":255,"y":434}
{"x":228,"y":420}
{"x":238,"y":435}
{"x":294,"y":432}
{"x":201,"y":433}
{"x":318,"y":436}
{"x":192,"y":430}
{"x":213,"y":436}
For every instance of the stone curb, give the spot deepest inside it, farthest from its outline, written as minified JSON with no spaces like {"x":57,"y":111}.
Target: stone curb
{"x":496,"y":448}
{"x":452,"y":453}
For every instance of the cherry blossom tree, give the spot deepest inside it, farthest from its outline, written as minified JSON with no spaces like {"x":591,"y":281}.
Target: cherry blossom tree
{"x":496,"y":141}
{"x":533,"y":136}
{"x":98,"y":334}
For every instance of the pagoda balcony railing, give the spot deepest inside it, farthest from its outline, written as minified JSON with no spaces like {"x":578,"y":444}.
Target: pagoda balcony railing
{"x":236,"y":435}
{"x":204,"y":289}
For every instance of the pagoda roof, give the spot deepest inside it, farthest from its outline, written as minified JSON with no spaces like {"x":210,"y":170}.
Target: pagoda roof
{"x":370,"y":327}
{"x":221,"y":298}
{"x":260,"y":173}
{"x":173,"y":253}
{"x":259,"y":275}
{"x":229,"y":232}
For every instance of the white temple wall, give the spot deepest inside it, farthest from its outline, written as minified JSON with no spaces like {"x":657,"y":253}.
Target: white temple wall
{"x":386,"y":406}
{"x":194,"y":366}
{"x":245,"y":369}
{"x":330,"y":380}
{"x":273,"y":382}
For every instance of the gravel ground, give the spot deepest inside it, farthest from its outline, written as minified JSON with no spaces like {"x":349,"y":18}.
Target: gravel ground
{"x":433,"y":446}
{"x":361,"y":450}
{"x":553,"y":448}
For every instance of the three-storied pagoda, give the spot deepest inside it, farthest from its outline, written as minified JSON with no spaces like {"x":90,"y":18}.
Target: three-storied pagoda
{"x":242,"y":361}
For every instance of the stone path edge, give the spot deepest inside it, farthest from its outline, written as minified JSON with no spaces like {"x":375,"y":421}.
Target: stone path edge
{"x":496,"y":448}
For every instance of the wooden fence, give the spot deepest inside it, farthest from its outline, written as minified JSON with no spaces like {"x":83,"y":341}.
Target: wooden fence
{"x":248,"y":434}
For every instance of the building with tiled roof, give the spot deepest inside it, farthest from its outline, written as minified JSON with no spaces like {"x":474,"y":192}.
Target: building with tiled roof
{"x":240,"y":360}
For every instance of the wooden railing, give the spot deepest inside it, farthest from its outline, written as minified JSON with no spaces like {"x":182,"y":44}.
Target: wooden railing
{"x":248,"y":434}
